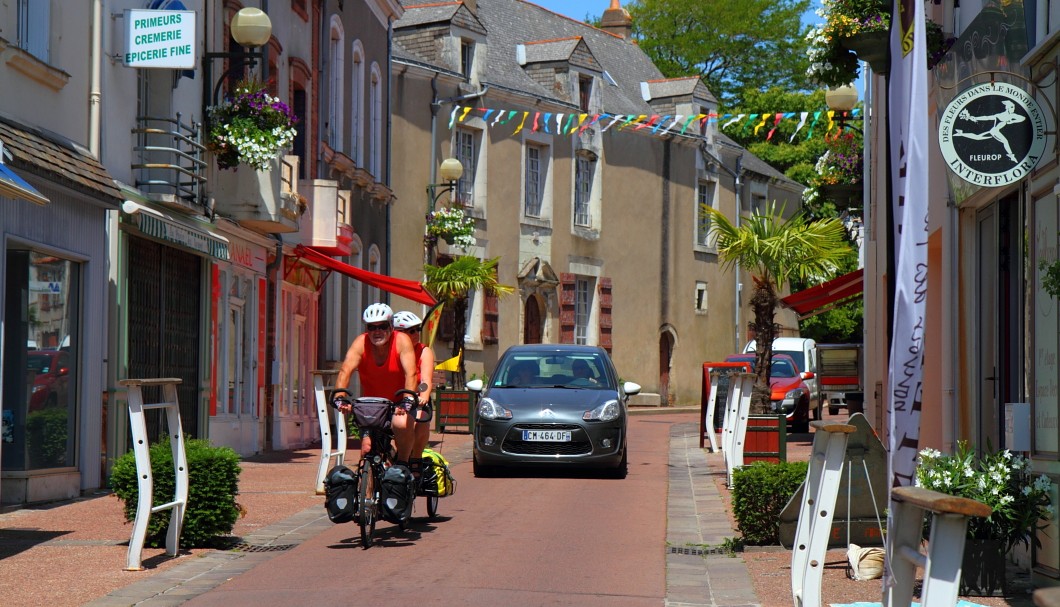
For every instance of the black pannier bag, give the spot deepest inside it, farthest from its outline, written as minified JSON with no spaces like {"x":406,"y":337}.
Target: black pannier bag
{"x":372,"y":412}
{"x":396,"y":493}
{"x":340,"y":494}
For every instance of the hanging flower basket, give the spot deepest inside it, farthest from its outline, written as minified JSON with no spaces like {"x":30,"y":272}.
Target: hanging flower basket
{"x":859,"y":30}
{"x":250,"y":128}
{"x":872,"y":47}
{"x":452,"y":226}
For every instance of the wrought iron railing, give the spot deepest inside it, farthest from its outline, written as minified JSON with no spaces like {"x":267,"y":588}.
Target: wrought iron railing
{"x":171,"y":163}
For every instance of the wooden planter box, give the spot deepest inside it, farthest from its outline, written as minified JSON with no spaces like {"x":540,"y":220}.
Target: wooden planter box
{"x":766,"y":439}
{"x":454,"y":408}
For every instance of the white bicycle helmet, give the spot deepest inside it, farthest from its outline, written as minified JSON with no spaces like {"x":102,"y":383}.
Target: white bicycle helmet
{"x":377,"y":312}
{"x":406,"y":320}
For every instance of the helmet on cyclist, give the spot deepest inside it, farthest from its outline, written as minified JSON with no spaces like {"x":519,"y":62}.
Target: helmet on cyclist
{"x":377,"y":312}
{"x":406,"y":320}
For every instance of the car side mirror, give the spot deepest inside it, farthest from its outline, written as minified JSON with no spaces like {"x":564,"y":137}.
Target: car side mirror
{"x":631,"y":388}
{"x":63,"y":371}
{"x":474,"y":385}
{"x":808,"y":375}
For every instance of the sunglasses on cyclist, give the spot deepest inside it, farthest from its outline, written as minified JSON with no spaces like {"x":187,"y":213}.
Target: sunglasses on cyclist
{"x":382,"y":326}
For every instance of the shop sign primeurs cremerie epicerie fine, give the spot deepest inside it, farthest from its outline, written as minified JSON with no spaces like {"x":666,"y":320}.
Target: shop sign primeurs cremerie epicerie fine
{"x":159,"y":39}
{"x":992,"y":134}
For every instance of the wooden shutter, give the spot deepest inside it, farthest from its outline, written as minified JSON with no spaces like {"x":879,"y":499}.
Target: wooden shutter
{"x":566,"y":307}
{"x":490,"y":315}
{"x":604,"y":287}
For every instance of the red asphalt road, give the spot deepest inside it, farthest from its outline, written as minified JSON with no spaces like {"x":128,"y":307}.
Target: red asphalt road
{"x":529,"y":539}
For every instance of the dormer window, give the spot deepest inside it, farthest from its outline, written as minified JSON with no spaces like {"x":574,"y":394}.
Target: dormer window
{"x":467,"y":56}
{"x":585,"y":92}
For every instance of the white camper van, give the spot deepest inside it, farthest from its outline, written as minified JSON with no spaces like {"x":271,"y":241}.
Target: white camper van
{"x":804,"y":351}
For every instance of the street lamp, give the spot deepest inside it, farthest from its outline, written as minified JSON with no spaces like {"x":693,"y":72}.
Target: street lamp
{"x":251,"y":28}
{"x":842,"y":100}
{"x":450,"y":171}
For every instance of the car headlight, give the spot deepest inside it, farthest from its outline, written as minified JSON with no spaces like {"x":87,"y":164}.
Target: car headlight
{"x":606,"y":412}
{"x":795,"y":394}
{"x":39,"y":389}
{"x":488,"y":409}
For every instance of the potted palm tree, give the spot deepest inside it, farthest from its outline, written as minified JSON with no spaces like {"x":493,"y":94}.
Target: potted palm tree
{"x":452,"y":283}
{"x":775,"y":250}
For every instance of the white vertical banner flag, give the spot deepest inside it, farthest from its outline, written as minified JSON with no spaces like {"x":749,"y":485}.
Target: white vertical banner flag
{"x":907,"y":105}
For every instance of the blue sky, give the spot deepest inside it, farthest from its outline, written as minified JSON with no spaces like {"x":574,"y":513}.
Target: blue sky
{"x":578,"y":9}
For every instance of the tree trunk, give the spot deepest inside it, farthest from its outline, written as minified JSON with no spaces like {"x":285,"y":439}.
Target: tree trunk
{"x":763,"y":304}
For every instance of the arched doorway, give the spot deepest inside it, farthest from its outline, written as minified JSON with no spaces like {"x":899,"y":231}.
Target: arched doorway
{"x":533,"y":322}
{"x":666,"y":353}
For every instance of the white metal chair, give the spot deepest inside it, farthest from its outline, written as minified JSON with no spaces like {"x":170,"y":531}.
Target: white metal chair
{"x":332,"y":446}
{"x":819,"y":493}
{"x":145,"y":481}
{"x":734,"y":426}
{"x":945,"y":549}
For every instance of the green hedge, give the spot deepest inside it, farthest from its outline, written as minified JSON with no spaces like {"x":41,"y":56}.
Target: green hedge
{"x":213,"y":483}
{"x":759,"y":493}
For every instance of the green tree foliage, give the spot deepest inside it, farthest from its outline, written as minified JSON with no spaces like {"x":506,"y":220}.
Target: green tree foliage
{"x":843,"y":323}
{"x":733,"y":46}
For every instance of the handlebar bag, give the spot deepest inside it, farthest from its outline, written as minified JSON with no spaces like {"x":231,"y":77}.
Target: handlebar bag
{"x":372,"y":412}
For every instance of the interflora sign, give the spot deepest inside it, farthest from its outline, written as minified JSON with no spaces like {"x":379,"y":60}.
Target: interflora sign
{"x":992,"y":134}
{"x":159,"y":39}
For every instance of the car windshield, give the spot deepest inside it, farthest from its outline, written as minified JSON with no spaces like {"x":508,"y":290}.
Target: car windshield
{"x":38,"y":363}
{"x":795,"y":355}
{"x":781,"y":368}
{"x":551,"y":369}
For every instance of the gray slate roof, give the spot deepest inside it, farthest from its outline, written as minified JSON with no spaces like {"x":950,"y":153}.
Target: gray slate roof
{"x":513,"y":22}
{"x":551,"y":50}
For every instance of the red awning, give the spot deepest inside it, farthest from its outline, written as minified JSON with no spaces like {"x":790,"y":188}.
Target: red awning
{"x":825,"y":296}
{"x":405,"y":288}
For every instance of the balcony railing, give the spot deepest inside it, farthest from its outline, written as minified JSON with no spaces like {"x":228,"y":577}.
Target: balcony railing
{"x":171,"y":167}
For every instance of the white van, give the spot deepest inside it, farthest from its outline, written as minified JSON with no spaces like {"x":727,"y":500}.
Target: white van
{"x":804,"y":351}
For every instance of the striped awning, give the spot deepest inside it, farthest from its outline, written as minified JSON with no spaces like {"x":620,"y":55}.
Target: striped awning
{"x":184,"y":233}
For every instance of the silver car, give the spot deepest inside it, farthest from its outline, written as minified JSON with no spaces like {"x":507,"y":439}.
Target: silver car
{"x":552,"y":404}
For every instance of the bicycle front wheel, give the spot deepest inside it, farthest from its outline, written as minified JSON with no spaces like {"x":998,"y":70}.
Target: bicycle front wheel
{"x":367,"y":505}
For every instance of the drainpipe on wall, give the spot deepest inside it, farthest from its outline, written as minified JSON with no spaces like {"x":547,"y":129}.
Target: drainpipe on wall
{"x":272,"y":318}
{"x":737,"y":176}
{"x":96,"y":67}
{"x":389,"y":127}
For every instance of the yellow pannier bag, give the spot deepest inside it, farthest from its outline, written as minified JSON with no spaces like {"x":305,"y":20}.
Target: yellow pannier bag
{"x":436,"y":480}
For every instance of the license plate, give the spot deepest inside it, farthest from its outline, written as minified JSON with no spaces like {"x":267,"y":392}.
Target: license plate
{"x":550,"y":436}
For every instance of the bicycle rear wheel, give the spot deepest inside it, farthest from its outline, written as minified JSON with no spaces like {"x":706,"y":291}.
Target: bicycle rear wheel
{"x":367,"y":505}
{"x":432,"y":506}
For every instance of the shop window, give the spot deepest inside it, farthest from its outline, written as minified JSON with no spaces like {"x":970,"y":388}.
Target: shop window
{"x":40,"y":374}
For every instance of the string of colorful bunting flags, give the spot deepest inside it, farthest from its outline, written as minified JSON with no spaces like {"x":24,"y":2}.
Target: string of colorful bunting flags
{"x":560,"y":123}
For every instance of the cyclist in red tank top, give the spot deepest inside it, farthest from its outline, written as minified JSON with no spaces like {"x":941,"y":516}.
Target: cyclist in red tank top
{"x":386,"y":362}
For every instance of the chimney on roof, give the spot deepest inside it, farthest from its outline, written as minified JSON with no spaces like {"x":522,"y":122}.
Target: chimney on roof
{"x":472,"y":5}
{"x":617,"y":21}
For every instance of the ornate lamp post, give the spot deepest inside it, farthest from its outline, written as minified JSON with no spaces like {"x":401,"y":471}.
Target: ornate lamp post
{"x":842,"y":100}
